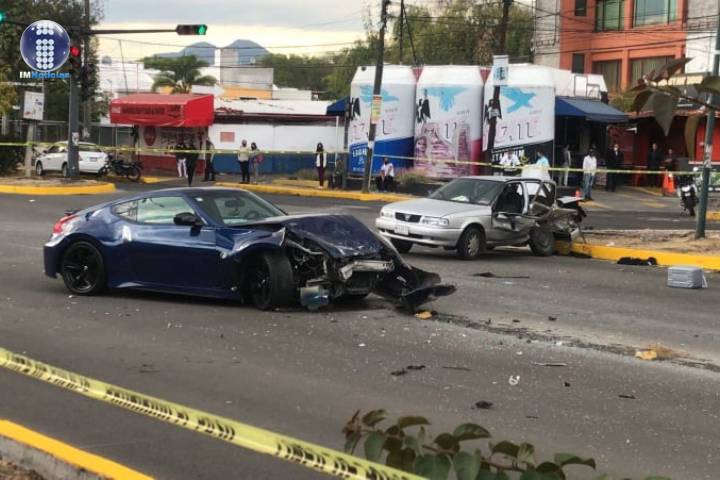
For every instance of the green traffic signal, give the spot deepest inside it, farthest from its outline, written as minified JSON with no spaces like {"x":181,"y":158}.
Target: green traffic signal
{"x":191,"y":29}
{"x":3,"y":16}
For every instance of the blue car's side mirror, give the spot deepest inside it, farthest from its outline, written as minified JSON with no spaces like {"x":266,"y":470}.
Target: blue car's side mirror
{"x":187,"y":219}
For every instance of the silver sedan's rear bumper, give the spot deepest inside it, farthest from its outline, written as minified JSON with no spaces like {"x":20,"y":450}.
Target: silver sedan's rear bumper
{"x":417,"y":233}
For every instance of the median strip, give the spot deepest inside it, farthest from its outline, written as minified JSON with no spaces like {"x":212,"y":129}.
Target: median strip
{"x":18,"y":188}
{"x":316,"y":192}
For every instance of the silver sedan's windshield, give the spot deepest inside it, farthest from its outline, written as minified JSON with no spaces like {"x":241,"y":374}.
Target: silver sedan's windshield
{"x":469,"y":190}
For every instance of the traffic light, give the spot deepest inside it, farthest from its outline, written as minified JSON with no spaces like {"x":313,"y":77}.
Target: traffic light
{"x":191,"y":29}
{"x":87,"y":82}
{"x":3,"y":16}
{"x":75,"y":61}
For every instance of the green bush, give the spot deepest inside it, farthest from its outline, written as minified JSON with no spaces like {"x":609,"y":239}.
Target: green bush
{"x":406,"y":445}
{"x":407,"y":178}
{"x":10,"y":156}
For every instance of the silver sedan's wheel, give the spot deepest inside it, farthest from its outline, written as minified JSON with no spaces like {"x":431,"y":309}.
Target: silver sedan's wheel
{"x":542,"y":241}
{"x":471,"y":243}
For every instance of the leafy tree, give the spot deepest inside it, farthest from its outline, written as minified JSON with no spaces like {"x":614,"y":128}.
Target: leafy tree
{"x":179,"y":73}
{"x":407,"y":445}
{"x":299,"y":71}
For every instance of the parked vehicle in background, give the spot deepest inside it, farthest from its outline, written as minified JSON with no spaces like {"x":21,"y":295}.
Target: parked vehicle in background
{"x":473,"y":214}
{"x":115,"y":164}
{"x":55,"y":159}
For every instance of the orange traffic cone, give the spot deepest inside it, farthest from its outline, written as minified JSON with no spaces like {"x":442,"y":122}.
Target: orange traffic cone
{"x":668,"y":185}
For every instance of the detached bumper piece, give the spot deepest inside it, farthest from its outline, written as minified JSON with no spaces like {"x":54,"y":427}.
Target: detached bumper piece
{"x":410,"y":287}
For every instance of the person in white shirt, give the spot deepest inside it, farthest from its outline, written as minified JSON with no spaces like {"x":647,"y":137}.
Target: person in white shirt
{"x":567,"y":164}
{"x":386,"y":180}
{"x":509,"y":163}
{"x":589,"y":171}
{"x":542,"y":160}
{"x":243,"y":156}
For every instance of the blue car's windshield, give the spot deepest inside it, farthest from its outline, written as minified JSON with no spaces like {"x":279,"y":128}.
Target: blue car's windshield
{"x":236,"y":208}
{"x":469,"y":190}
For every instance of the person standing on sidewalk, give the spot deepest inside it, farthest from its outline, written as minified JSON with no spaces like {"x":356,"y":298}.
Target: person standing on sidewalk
{"x":615,"y":160}
{"x":192,"y":157}
{"x":243,"y":156}
{"x":320,"y":163}
{"x":670,"y":162}
{"x":589,"y":171}
{"x":566,"y":164}
{"x":255,"y":159}
{"x":654,"y":159}
{"x":180,"y":158}
{"x":209,"y":159}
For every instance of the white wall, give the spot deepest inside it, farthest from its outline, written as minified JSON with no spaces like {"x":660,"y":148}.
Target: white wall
{"x":280,"y":136}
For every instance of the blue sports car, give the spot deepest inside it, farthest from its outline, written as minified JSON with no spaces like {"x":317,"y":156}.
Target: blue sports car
{"x":230,"y":243}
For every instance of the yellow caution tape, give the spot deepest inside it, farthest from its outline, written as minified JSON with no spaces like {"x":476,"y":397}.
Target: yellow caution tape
{"x":256,"y":439}
{"x":213,"y":151}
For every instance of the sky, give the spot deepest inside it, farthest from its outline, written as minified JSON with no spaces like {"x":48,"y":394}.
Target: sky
{"x":281,"y":26}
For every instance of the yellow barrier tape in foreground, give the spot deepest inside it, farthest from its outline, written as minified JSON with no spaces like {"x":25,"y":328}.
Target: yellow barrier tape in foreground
{"x":256,"y":439}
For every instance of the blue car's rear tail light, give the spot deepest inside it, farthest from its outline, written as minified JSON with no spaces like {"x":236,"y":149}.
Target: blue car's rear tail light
{"x":63,"y":225}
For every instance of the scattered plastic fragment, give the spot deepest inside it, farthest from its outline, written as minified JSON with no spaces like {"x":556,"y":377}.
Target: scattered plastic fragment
{"x":514,"y":380}
{"x":550,"y":364}
{"x":483,"y":405}
{"x":646,"y":354}
{"x":628,"y":396}
{"x":424,"y":315}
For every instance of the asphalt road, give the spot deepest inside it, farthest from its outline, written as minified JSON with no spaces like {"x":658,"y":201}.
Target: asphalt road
{"x":304,"y":373}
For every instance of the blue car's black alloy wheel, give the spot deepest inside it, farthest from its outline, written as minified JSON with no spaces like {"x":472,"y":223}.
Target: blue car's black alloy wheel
{"x":82,"y":269}
{"x":270,"y":282}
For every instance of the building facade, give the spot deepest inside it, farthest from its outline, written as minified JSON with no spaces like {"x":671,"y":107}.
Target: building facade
{"x":624,"y":39}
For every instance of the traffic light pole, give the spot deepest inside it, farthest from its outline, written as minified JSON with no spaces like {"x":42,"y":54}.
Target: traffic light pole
{"x":73,"y":168}
{"x":707,"y":154}
{"x":376,"y":91}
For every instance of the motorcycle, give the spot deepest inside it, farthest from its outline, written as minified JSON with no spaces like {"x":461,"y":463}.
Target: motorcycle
{"x":687,"y":191}
{"x":132,"y":171}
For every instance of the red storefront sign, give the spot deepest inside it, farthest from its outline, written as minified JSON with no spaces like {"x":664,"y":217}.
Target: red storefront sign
{"x":180,"y":110}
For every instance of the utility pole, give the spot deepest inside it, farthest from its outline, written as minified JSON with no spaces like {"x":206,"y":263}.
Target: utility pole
{"x":494,"y":104}
{"x":73,"y":170}
{"x":87,"y":114}
{"x":402,"y":23}
{"x":376,"y":92}
{"x":707,"y":156}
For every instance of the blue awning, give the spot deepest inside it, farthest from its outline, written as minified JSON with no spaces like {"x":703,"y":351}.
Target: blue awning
{"x":338,"y":108}
{"x":590,"y":110}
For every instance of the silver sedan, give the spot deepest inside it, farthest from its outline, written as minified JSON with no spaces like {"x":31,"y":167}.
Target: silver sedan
{"x":473,"y":214}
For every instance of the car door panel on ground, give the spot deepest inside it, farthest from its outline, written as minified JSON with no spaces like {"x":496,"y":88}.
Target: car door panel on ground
{"x":167,"y":255}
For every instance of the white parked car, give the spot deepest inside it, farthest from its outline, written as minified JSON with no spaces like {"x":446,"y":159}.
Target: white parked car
{"x":55,"y":159}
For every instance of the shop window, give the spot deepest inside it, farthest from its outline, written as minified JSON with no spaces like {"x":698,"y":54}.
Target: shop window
{"x":643,"y":66}
{"x":609,"y":15}
{"x":648,"y":12}
{"x":580,"y":8}
{"x":610,"y":71}
{"x":578,"y":63}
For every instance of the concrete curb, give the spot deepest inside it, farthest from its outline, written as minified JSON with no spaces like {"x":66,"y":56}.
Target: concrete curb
{"x":58,"y":190}
{"x":665,"y":259}
{"x":310,"y":192}
{"x":55,"y":460}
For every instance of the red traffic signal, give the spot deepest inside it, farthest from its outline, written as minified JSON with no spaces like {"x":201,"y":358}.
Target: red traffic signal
{"x":75,"y":51}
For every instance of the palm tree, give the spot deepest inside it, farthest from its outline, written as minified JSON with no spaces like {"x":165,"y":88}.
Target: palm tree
{"x":179,"y":73}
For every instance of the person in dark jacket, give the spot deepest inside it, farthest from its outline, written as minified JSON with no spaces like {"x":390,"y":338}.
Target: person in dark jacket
{"x":192,"y":158}
{"x":320,"y":163}
{"x":670,"y":162}
{"x":209,"y":165}
{"x":615,"y":160}
{"x":654,"y":159}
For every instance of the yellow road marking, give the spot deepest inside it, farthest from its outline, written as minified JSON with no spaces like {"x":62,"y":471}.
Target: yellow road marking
{"x":78,"y":458}
{"x":60,"y":190}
